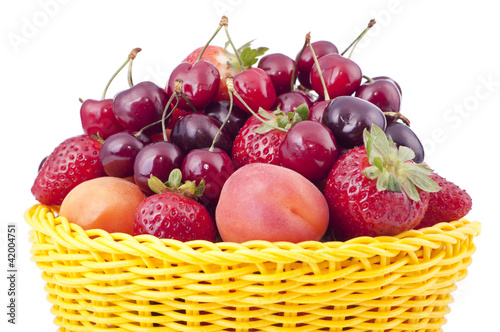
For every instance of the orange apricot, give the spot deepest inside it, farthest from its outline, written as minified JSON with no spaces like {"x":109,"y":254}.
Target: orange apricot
{"x":107,"y":203}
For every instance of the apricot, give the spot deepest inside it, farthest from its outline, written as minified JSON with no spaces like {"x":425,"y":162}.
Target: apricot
{"x":268,"y":202}
{"x":107,"y":203}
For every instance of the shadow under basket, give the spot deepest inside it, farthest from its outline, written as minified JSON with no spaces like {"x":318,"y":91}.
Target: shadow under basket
{"x":98,"y":281}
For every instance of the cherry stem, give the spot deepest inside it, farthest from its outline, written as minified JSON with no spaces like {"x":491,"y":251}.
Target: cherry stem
{"x":294,"y":72}
{"x":316,"y":62}
{"x":369,"y":79}
{"x":132,"y":55}
{"x":221,"y":24}
{"x":231,"y":101}
{"x":224,"y":22}
{"x":398,"y":116}
{"x":361,"y":35}
{"x":177,"y":88}
{"x":231,"y":90}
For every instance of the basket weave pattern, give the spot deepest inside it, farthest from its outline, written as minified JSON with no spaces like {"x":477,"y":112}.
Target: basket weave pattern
{"x":98,"y":281}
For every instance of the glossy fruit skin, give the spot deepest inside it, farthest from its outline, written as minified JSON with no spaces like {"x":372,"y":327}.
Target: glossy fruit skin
{"x":225,"y":62}
{"x":251,"y":147}
{"x":310,"y":149}
{"x":256,"y":88}
{"x":140,"y":105}
{"x":198,"y":130}
{"x":348,"y":116}
{"x":98,"y":118}
{"x":214,"y":167}
{"x":390,"y":79}
{"x":219,"y":111}
{"x":342,"y":76}
{"x":316,"y":110}
{"x":72,"y":162}
{"x":173,"y":216}
{"x":306,"y":60}
{"x":381,"y":92}
{"x":118,"y":153}
{"x":200,"y":85}
{"x":158,"y":159}
{"x":358,"y":209}
{"x":401,"y":134}
{"x":289,"y":101}
{"x":280,"y":68}
{"x":448,"y":204}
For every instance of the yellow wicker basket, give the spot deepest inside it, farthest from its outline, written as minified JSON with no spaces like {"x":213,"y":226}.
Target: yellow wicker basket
{"x":98,"y":281}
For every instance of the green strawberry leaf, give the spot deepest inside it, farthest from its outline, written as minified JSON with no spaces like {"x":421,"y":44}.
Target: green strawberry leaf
{"x":393,"y":168}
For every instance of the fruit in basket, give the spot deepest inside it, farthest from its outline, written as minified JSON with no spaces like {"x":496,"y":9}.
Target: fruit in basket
{"x":377,"y":189}
{"x":173,"y":213}
{"x":449,"y":204}
{"x":268,"y":202}
{"x":348,"y":117}
{"x":118,"y":154}
{"x":107,"y":203}
{"x":382,"y":92}
{"x":98,"y":118}
{"x":72,"y":162}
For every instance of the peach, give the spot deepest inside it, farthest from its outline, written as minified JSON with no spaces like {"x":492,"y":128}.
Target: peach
{"x":108,"y":203}
{"x":268,"y":202}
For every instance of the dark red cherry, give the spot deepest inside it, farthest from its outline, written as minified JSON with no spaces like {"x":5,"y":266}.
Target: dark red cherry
{"x":383,"y":93}
{"x":256,"y":88}
{"x":157,"y":159}
{"x":289,"y":101}
{"x":390,"y":79}
{"x":310,"y":149}
{"x":200,"y":84}
{"x":280,"y":68}
{"x":118,"y":153}
{"x":98,"y":119}
{"x":401,"y":134}
{"x":214,"y":167}
{"x":219,"y":111}
{"x":140,"y":105}
{"x":198,"y":130}
{"x":342,"y":76}
{"x":348,"y":116}
{"x":316,"y":110}
{"x":306,"y":60}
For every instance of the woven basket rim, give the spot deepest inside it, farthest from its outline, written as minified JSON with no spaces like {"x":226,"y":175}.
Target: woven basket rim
{"x":44,"y":219}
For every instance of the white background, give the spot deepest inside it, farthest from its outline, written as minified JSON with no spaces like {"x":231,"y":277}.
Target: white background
{"x":444,"y":54}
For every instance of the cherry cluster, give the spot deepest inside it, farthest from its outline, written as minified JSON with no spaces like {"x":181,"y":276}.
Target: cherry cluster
{"x":299,"y":113}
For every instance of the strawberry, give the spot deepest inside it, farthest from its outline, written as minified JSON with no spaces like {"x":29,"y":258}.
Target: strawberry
{"x":449,"y":204}
{"x":227,"y":63}
{"x":259,"y":139}
{"x":173,"y":213}
{"x":376,"y":189}
{"x":72,"y":162}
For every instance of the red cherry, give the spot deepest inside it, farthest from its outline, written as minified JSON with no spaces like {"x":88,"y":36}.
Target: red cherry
{"x":256,"y":88}
{"x":316,"y":111}
{"x":342,"y":76}
{"x":289,"y":101}
{"x":280,"y":68}
{"x":214,"y":167}
{"x":98,"y":118}
{"x":306,"y":60}
{"x":140,"y":105}
{"x":200,"y":84}
{"x":384,"y":93}
{"x":310,"y":149}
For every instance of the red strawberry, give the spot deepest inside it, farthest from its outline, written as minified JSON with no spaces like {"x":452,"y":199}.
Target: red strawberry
{"x":254,"y":146}
{"x":449,"y":204}
{"x":72,"y":162}
{"x":173,"y":213}
{"x":372,"y":189}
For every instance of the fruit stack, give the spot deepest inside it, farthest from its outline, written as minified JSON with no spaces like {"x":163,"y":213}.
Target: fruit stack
{"x":256,"y":155}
